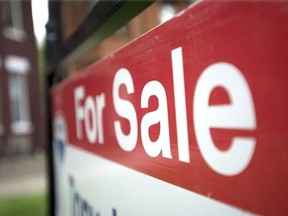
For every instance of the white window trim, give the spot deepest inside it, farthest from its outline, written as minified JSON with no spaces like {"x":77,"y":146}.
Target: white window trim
{"x":19,"y":65}
{"x":16,"y":64}
{"x":21,"y":127}
{"x":14,"y":34}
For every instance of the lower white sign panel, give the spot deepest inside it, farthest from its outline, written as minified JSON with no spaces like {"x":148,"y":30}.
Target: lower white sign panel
{"x":90,"y":185}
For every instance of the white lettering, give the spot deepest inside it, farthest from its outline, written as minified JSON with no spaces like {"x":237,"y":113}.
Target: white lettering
{"x":101,"y":103}
{"x":125,"y":109}
{"x":91,"y":114}
{"x":180,"y":105}
{"x":153,"y":148}
{"x":90,"y":125}
{"x":79,"y":93}
{"x":239,"y":114}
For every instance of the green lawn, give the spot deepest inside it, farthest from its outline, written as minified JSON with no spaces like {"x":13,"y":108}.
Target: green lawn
{"x":32,"y":205}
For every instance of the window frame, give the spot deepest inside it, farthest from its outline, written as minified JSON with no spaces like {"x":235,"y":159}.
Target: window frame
{"x":16,"y":30}
{"x":20,"y":66}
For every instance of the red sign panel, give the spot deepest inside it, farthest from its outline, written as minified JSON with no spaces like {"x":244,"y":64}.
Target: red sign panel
{"x":199,"y":102}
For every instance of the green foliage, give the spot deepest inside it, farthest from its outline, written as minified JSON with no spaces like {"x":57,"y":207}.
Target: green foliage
{"x":24,"y":206}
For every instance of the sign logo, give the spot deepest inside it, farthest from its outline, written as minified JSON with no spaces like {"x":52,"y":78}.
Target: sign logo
{"x":60,"y":137}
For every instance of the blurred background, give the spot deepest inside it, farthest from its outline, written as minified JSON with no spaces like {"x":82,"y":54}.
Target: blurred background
{"x":23,"y":113}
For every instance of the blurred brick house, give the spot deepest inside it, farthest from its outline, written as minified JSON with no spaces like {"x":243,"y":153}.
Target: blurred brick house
{"x":21,"y":110}
{"x":71,"y":13}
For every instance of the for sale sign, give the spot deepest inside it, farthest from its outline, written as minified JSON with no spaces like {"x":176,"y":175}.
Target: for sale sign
{"x":189,"y":119}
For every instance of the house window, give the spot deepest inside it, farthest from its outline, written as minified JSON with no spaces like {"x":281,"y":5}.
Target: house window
{"x":167,"y":11}
{"x":13,"y":20}
{"x":18,"y":68}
